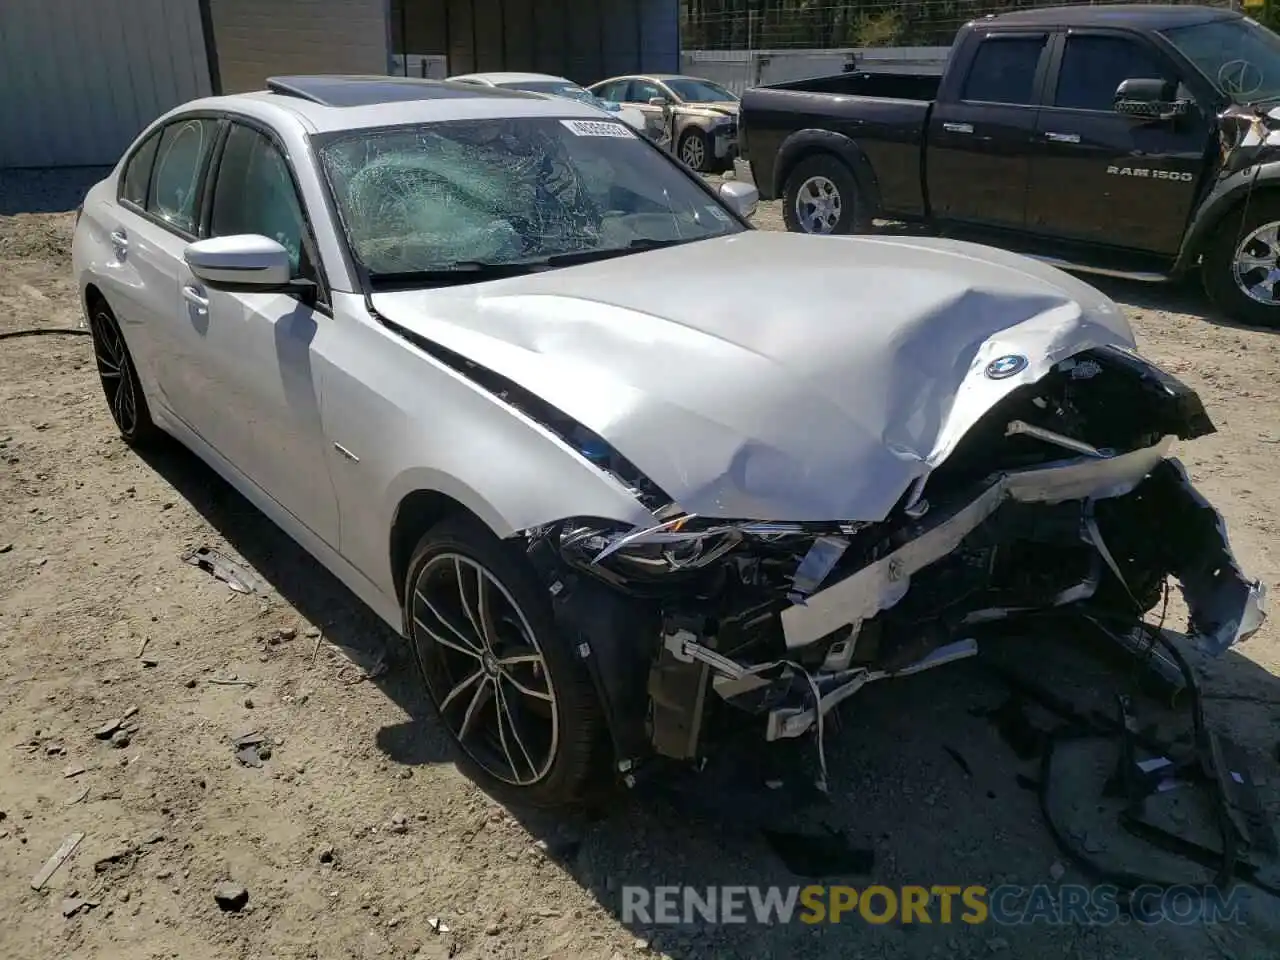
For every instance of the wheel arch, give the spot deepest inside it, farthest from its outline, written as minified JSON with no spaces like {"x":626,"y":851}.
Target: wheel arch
{"x":1225,"y":199}
{"x":803,"y":144}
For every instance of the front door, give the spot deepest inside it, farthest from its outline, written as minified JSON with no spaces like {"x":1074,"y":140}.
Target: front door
{"x":259,"y":403}
{"x":656,"y":119}
{"x":1102,"y":177}
{"x":979,"y":144}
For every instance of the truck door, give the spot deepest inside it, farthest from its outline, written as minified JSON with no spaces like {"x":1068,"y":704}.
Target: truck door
{"x":978,"y":152}
{"x":1098,"y":176}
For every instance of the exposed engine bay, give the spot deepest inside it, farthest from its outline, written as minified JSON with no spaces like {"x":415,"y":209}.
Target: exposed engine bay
{"x":1060,"y":497}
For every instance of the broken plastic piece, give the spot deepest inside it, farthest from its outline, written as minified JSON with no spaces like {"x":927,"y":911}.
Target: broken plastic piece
{"x":228,"y":571}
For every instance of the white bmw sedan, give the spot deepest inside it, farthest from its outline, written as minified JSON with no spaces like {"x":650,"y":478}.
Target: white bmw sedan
{"x":615,"y":463}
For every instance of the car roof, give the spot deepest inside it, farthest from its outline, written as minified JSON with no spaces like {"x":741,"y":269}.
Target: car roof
{"x":324,"y":103}
{"x":1151,"y":16}
{"x":510,"y":77}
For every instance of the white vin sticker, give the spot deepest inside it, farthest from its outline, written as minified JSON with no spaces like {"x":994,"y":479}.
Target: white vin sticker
{"x":598,"y":128}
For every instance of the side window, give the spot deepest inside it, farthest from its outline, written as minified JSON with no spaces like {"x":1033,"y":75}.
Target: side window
{"x":1092,"y":68}
{"x":1004,"y":70}
{"x":175,"y":181}
{"x":642,"y":91}
{"x":613,"y":91}
{"x":255,"y":194}
{"x":137,"y":174}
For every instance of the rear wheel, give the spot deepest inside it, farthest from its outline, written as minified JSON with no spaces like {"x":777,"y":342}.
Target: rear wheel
{"x":821,"y":196}
{"x":119,"y":378}
{"x":507,"y":686}
{"x":1241,"y":265}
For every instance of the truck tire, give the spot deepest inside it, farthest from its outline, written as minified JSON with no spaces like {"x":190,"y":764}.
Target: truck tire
{"x":821,"y":196}
{"x":1241,"y":264}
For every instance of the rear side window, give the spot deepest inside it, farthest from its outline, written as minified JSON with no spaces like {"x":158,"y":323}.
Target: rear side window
{"x":175,"y":182}
{"x":137,"y":173}
{"x":1093,"y":67}
{"x":1004,"y":70}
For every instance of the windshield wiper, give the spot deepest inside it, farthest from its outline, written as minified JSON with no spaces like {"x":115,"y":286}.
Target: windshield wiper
{"x":460,"y":271}
{"x":608,"y":253}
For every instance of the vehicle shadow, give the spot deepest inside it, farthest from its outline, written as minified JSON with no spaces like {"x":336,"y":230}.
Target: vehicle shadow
{"x":925,"y":786}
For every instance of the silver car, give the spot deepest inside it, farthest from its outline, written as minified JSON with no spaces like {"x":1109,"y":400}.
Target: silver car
{"x":697,"y":118}
{"x":415,"y":324}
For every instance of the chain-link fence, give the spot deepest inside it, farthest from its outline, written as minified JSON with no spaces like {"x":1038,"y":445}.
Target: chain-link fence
{"x":824,"y":25}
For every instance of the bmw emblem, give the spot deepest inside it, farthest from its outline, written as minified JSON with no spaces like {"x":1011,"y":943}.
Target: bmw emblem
{"x":1002,"y":367}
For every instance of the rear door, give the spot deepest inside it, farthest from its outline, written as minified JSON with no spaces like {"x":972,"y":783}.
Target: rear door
{"x":980,"y":135}
{"x":1098,"y":176}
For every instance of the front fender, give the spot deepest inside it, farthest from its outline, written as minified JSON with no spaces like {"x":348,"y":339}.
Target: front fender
{"x":1224,"y":195}
{"x":812,"y":140}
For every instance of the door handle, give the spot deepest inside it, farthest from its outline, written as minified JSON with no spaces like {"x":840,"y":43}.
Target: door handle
{"x":195,"y":297}
{"x":119,"y":240}
{"x":1062,"y":137}
{"x":958,"y":127}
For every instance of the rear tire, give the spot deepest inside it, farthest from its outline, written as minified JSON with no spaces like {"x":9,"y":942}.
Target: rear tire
{"x":821,"y":197}
{"x":119,"y":378}
{"x":1241,"y":263}
{"x":488,"y":649}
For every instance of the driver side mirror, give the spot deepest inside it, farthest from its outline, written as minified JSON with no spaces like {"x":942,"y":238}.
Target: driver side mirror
{"x":658,"y":101}
{"x":1150,"y":98}
{"x":741,"y":198}
{"x":245,"y":263}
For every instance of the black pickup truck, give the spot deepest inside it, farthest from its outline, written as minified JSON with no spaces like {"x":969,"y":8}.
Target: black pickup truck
{"x":1136,"y":141}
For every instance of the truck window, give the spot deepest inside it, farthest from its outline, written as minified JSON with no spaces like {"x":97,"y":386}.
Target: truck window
{"x":1004,"y":70}
{"x":1092,"y":68}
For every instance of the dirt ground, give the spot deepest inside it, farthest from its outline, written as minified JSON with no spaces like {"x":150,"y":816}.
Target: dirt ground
{"x":357,"y":836}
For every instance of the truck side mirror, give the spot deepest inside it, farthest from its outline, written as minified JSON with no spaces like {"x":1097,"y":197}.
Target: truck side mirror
{"x":1150,"y":98}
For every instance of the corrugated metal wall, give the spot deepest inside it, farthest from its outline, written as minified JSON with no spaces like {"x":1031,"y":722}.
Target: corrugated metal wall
{"x":584,"y":40}
{"x":256,"y":39}
{"x":79,"y":79}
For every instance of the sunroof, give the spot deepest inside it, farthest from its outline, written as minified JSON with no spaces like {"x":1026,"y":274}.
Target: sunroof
{"x":338,"y":91}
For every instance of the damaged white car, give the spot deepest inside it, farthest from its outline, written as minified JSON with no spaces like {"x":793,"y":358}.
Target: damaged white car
{"x":612,"y":460}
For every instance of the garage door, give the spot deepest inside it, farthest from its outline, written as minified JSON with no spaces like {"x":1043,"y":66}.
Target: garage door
{"x":78,"y":80}
{"x":256,"y":39}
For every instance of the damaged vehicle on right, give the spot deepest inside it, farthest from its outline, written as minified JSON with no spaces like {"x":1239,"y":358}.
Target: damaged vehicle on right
{"x":1140,"y":141}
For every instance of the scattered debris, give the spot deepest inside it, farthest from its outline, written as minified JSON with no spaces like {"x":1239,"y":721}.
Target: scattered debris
{"x":228,"y":571}
{"x":231,"y":683}
{"x":55,"y":749}
{"x":438,"y":925}
{"x":373,"y":673}
{"x":58,"y":859}
{"x":121,"y":739}
{"x":120,"y":852}
{"x":148,"y":663}
{"x":286,"y":633}
{"x":189,"y":683}
{"x":251,"y":749}
{"x":961,"y":762}
{"x":312,"y":632}
{"x":77,"y":797}
{"x":231,"y":897}
{"x":129,"y":713}
{"x":248,"y":703}
{"x":399,"y":823}
{"x":327,"y":854}
{"x":108,"y":729}
{"x":142,"y":648}
{"x":73,"y":770}
{"x":73,"y":905}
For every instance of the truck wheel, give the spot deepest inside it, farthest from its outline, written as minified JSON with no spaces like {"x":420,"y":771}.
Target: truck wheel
{"x":821,"y":196}
{"x":508,"y":687}
{"x":1241,"y":265}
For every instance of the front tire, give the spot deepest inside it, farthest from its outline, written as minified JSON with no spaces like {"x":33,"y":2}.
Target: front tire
{"x":695,"y":151}
{"x":821,"y":196}
{"x":119,"y":378}
{"x":517,"y":703}
{"x":1241,"y":265}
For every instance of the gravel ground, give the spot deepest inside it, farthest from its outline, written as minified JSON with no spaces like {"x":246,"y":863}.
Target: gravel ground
{"x":357,"y":837}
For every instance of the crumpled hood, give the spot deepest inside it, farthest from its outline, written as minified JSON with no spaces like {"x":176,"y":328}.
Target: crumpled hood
{"x":773,"y":375}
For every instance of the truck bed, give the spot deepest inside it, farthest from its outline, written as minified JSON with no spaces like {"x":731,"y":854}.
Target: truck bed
{"x":885,"y":113}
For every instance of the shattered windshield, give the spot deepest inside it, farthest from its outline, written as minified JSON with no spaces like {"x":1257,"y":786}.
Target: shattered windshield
{"x":536,"y":192}
{"x":699,"y":91}
{"x":1239,"y":56}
